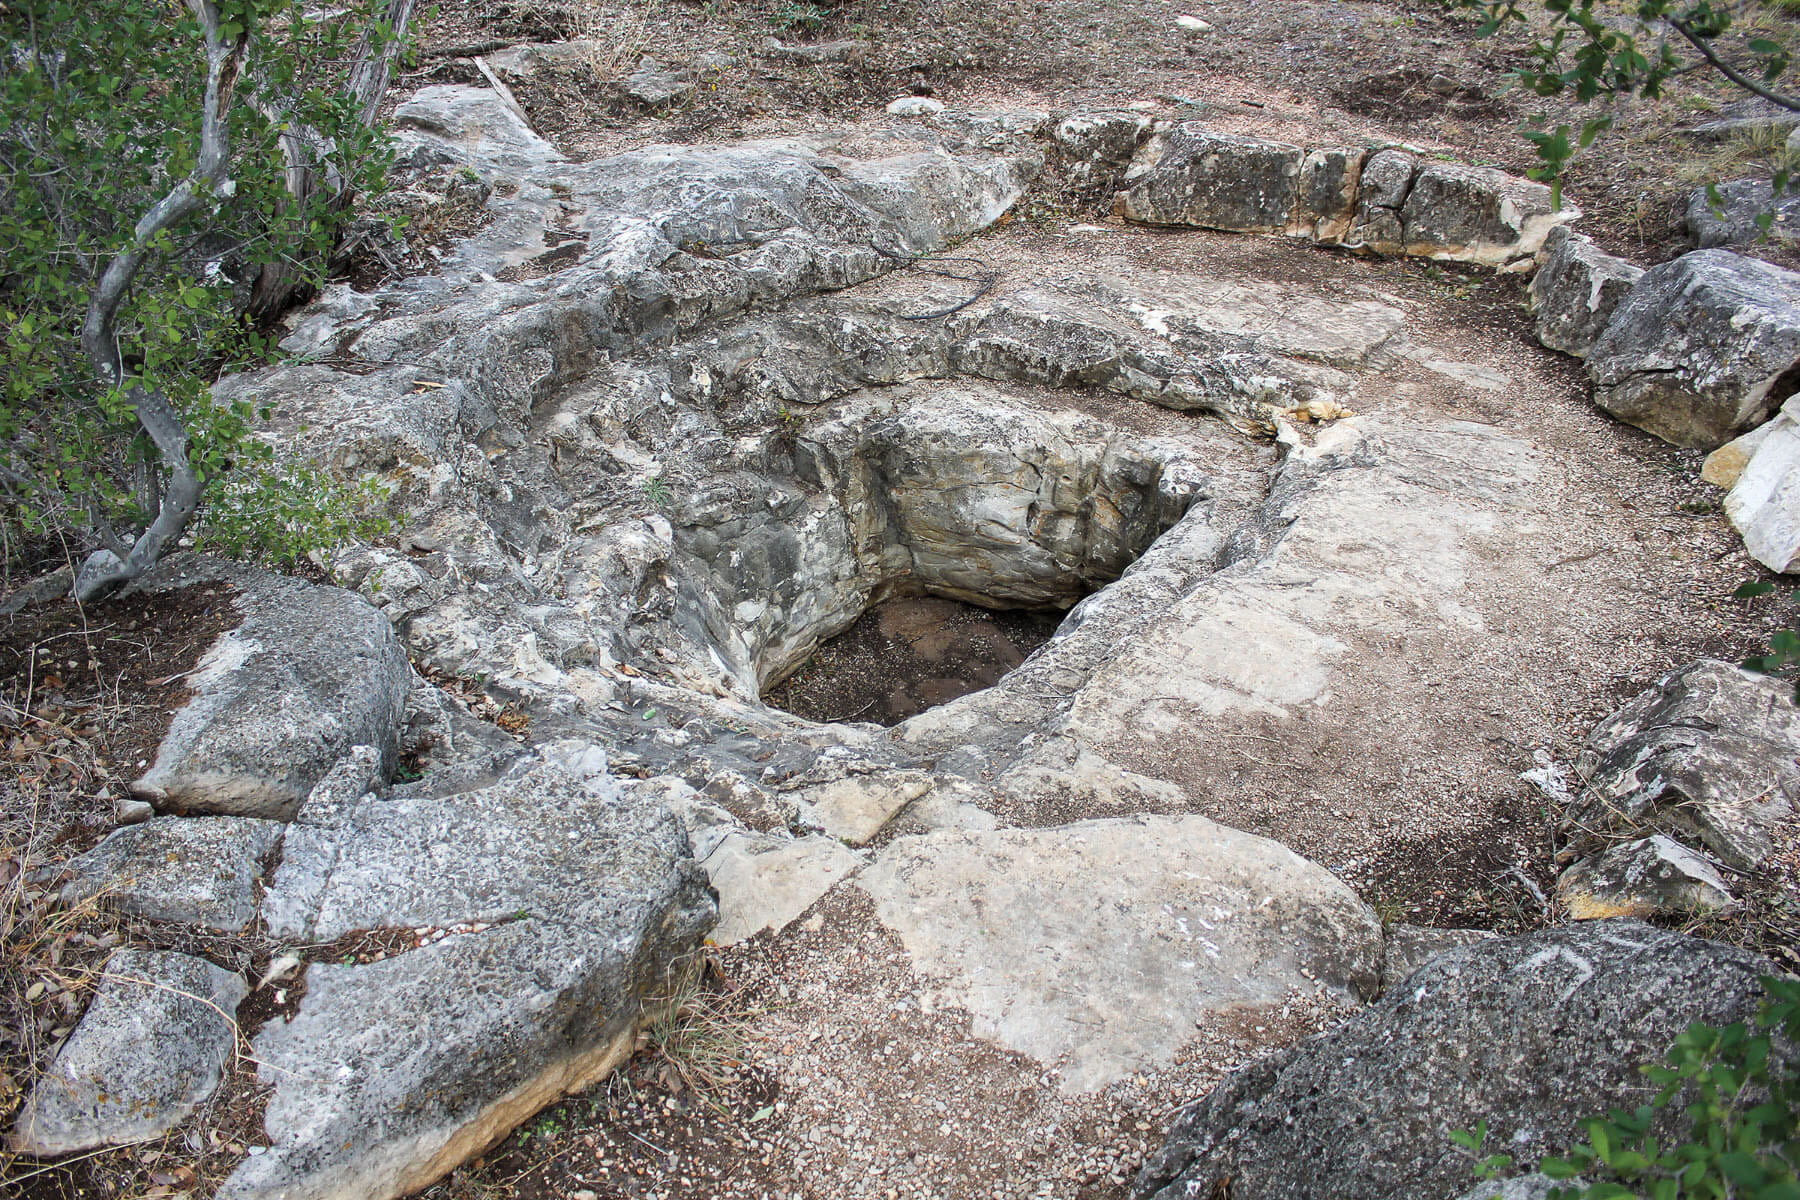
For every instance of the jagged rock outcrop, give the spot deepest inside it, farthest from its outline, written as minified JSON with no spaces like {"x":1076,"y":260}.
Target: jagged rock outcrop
{"x":310,"y":672}
{"x":1529,"y":1033}
{"x":1653,"y":876}
{"x":1708,"y":753}
{"x":1576,"y":290}
{"x":1703,"y":348}
{"x":153,"y":1044}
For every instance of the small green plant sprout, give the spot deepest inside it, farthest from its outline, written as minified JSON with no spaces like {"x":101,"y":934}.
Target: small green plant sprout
{"x":657,"y":492}
{"x":1740,"y":1095}
{"x":1783,"y":658}
{"x":1473,"y":1141}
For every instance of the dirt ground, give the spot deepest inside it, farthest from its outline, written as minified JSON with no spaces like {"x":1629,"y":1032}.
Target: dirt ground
{"x":907,"y":655}
{"x":810,"y":1063}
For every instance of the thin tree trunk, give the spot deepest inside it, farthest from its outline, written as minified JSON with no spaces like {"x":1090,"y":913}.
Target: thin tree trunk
{"x":106,"y":570}
{"x":282,"y":284}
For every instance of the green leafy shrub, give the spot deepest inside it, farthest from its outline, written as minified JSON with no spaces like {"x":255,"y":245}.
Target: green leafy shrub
{"x":112,"y":111}
{"x":1741,"y":1136}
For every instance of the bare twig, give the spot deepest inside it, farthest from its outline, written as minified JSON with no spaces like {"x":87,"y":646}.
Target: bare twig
{"x":1704,"y":46}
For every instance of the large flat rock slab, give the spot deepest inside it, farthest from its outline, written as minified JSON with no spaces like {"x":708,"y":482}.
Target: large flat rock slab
{"x":1393,"y":547}
{"x":573,"y":901}
{"x":1099,"y":946}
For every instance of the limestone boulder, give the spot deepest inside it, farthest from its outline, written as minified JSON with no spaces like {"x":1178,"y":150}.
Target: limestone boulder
{"x":1451,"y":211}
{"x":1529,"y":1033}
{"x":309,"y":673}
{"x":1707,"y":754}
{"x":1099,"y":145}
{"x":1477,"y":215}
{"x":152,"y":1046}
{"x":1193,"y":176}
{"x":197,"y":870}
{"x":1764,"y":502}
{"x":550,"y":908}
{"x":1653,"y":876}
{"x":476,"y":127}
{"x":1703,"y":348}
{"x":1733,"y":219}
{"x":653,"y":85}
{"x":1096,"y":947}
{"x":1575,"y":291}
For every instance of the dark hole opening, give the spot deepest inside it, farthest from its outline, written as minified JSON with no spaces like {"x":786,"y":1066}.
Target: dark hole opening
{"x":906,"y":655}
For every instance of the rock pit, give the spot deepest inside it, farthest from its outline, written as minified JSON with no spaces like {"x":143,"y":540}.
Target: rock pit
{"x":672,"y":420}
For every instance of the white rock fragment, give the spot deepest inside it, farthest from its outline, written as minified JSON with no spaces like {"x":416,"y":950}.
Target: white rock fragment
{"x":914,"y":106}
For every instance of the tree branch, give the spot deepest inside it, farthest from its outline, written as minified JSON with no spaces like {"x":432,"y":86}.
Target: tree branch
{"x":106,"y":569}
{"x":1704,"y":46}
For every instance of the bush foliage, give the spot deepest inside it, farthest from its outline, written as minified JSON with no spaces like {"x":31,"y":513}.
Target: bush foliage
{"x":105,"y":107}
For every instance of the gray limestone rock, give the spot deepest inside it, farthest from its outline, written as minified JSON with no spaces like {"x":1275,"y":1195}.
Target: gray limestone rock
{"x":1477,"y":215}
{"x":1387,"y":180}
{"x":569,"y":902}
{"x":1708,"y":753}
{"x":1653,"y":876}
{"x":1576,"y":290}
{"x":1096,"y":947}
{"x":1193,"y":176}
{"x":653,"y":85}
{"x":1409,"y":947}
{"x":1326,"y":204}
{"x":1764,"y":502}
{"x":1529,"y":1033}
{"x":1732,"y":221}
{"x":1098,"y":146}
{"x":151,"y":1047}
{"x":473,"y":126}
{"x":1519,"y":1187}
{"x":1452,"y":211}
{"x":198,"y":870}
{"x":1750,"y":115}
{"x":841,"y":51}
{"x":531,"y":58}
{"x":311,"y":672}
{"x":1703,"y":348}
